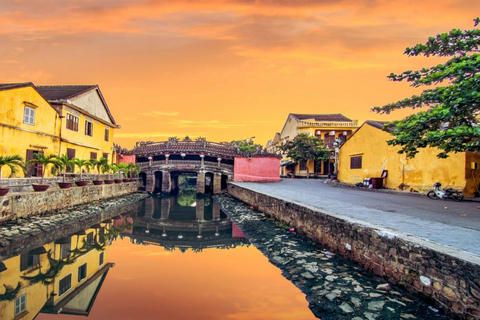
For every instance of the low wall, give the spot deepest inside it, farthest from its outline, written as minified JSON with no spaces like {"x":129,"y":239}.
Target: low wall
{"x":22,"y":204}
{"x":256,"y":169}
{"x":448,"y":277}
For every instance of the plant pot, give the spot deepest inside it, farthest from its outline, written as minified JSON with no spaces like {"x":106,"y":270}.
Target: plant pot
{"x":65,"y":185}
{"x":82,"y":183}
{"x":3,"y":191}
{"x":118,"y":180}
{"x":108,"y":181}
{"x":97,"y":182}
{"x":126,"y":180}
{"x":40,"y":187}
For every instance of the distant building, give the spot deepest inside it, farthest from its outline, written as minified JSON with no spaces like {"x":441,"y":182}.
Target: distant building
{"x":366,"y":154}
{"x":72,"y":120}
{"x":326,"y":127}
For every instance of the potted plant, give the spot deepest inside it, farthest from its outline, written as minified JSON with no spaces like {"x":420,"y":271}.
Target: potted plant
{"x":114,"y":168}
{"x":100,"y":164}
{"x":13,"y":162}
{"x":123,"y":167}
{"x":133,"y":170}
{"x":45,"y":160}
{"x":110,"y":169}
{"x":63,"y":163}
{"x":82,"y":163}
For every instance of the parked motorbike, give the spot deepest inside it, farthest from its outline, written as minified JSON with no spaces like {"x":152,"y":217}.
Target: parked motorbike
{"x":449,"y":193}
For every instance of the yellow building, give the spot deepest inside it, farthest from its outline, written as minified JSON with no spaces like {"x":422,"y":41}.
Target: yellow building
{"x":329,"y":128}
{"x":59,"y":277}
{"x":366,"y":154}
{"x":73,"y":120}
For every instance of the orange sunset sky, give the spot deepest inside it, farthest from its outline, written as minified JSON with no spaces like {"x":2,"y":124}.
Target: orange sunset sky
{"x":223,"y":69}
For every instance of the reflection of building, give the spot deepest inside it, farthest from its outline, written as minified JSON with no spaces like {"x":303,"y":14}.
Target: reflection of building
{"x":59,"y":277}
{"x":164,"y":222}
{"x":326,"y":127}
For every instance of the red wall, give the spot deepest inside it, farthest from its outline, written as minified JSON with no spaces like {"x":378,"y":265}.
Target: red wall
{"x":256,"y":169}
{"x":127,"y":158}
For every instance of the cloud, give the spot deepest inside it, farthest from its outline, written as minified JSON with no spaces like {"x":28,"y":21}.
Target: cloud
{"x":158,"y":114}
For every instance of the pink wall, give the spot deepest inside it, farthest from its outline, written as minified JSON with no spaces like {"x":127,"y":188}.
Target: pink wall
{"x":127,"y":158}
{"x":256,"y":169}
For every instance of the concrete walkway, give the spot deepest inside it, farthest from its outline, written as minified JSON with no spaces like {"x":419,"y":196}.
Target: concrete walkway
{"x":449,"y":223}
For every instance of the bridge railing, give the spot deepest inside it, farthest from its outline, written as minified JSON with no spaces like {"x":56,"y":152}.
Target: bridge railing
{"x":187,"y":163}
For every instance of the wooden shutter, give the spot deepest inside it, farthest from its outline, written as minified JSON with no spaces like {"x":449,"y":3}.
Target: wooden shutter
{"x":39,"y":167}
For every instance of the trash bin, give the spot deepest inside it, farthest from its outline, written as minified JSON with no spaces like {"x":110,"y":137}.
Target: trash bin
{"x":377,"y":183}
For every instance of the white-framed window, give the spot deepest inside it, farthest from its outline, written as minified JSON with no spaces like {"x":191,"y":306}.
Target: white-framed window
{"x":72,"y":122}
{"x":29,"y":116}
{"x":88,"y":128}
{"x":20,"y":304}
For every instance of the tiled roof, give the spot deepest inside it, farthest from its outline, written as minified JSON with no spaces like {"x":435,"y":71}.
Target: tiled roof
{"x":378,"y":124}
{"x":322,"y":117}
{"x":8,"y":86}
{"x":63,"y":92}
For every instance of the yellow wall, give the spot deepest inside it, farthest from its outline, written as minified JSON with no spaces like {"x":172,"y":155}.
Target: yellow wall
{"x":38,"y":294}
{"x":15,"y":136}
{"x":417,"y":174}
{"x":82,"y":143}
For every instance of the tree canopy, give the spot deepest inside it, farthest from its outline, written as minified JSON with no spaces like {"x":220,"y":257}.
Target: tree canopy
{"x":247,"y":145}
{"x":451,"y":122}
{"x":305,"y":147}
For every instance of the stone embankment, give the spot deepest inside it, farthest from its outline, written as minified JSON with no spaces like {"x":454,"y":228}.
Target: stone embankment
{"x":336,"y":288}
{"x":16,"y":205}
{"x":447,"y":277}
{"x":27,"y":233}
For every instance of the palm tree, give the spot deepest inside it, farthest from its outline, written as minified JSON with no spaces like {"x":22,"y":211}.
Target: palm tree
{"x":64,"y":162}
{"x":82,"y":163}
{"x":45,"y":160}
{"x":13,"y":162}
{"x":132,"y":169}
{"x":101,"y":165}
{"x":122,"y":166}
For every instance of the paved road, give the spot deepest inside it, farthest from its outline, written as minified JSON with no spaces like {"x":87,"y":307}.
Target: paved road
{"x":455,"y":224}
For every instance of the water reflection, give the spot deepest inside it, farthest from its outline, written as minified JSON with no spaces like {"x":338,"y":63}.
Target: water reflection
{"x":63,"y":276}
{"x":183,"y":222}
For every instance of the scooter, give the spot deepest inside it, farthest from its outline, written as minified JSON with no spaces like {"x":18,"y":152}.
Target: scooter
{"x":449,"y":193}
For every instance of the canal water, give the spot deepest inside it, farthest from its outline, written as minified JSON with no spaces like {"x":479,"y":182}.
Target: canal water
{"x":176,"y":258}
{"x":182,"y":257}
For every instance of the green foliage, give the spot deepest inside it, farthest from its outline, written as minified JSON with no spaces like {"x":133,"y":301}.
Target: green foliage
{"x":55,"y":266}
{"x":247,"y":145}
{"x":13,"y":162}
{"x":101,"y":165}
{"x":451,"y":121}
{"x":46,"y":160}
{"x":63,"y":162}
{"x":82,"y":163}
{"x":305,"y":147}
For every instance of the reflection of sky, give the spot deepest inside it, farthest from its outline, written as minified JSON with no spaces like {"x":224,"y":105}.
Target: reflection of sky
{"x":150,"y":283}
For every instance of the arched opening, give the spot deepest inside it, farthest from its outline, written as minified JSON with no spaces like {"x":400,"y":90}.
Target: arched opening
{"x":158,"y":177}
{"x":224,"y":181}
{"x":208,"y":183}
{"x":143,"y":181}
{"x":183,"y":181}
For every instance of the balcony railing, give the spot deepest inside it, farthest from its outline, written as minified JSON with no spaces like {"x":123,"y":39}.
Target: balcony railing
{"x":320,"y":124}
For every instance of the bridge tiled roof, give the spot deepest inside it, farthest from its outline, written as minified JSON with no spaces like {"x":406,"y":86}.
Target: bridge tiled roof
{"x":191,"y":147}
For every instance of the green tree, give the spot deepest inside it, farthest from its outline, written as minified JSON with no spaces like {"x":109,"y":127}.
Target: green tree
{"x":13,"y":162}
{"x":451,"y":121}
{"x":63,"y":162}
{"x":100,"y":164}
{"x":82,"y":163}
{"x":247,"y":145}
{"x":45,"y":160}
{"x":305,"y":147}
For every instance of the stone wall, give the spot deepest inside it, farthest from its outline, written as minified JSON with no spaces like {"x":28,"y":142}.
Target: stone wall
{"x":23,"y":204}
{"x":445,"y":276}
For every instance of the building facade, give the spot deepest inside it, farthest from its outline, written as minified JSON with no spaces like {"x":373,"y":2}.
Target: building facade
{"x":329,"y":128}
{"x":366,"y":154}
{"x":72,"y":120}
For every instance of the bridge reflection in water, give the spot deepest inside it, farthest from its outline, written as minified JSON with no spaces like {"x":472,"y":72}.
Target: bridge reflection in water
{"x":173,"y":222}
